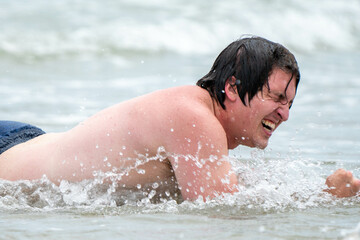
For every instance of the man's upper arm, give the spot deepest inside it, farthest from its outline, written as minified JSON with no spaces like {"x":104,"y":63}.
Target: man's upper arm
{"x":199,"y":159}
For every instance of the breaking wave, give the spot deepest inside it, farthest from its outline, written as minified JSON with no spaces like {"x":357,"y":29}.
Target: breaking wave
{"x":72,"y":29}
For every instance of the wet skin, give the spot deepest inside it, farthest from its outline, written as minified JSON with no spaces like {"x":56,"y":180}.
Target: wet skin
{"x":176,"y":137}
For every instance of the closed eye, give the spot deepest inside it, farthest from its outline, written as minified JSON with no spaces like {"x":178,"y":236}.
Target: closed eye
{"x":290,"y":104}
{"x":280,"y":97}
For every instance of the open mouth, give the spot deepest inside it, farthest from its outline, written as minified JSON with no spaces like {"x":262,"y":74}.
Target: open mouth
{"x":270,"y":126}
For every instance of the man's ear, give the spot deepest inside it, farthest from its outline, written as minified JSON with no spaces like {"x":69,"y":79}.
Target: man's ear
{"x":231,"y":89}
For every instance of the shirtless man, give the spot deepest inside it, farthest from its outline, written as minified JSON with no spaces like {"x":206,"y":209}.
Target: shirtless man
{"x":177,"y":138}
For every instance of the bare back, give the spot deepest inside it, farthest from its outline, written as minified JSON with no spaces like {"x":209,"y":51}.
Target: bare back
{"x":128,"y":138}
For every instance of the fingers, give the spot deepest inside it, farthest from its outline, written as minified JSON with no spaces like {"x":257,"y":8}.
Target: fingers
{"x":344,"y":175}
{"x":353,"y":182}
{"x":342,"y":183}
{"x":355,"y":185}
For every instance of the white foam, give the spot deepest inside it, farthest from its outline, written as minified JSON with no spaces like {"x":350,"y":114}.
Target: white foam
{"x":302,"y":26}
{"x":266,"y":185}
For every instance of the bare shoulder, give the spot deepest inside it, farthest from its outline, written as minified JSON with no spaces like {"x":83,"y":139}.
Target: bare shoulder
{"x":189,"y":103}
{"x":197,"y":144}
{"x":192,"y":120}
{"x":192,"y":107}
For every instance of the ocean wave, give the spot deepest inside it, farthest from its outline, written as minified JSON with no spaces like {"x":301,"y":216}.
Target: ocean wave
{"x":75,"y":29}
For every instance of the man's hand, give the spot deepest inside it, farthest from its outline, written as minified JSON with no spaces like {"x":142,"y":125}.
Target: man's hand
{"x":342,"y":183}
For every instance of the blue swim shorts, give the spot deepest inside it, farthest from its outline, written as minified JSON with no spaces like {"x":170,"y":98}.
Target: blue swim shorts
{"x":13,"y":133}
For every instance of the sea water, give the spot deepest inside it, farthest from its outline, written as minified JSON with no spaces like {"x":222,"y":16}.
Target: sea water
{"x":62,"y":61}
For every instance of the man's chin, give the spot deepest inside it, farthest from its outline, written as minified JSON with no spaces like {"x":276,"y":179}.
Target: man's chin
{"x":257,"y":145}
{"x":253,"y":143}
{"x":261,"y":145}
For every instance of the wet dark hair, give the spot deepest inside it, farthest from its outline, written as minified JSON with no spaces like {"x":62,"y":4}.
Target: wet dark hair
{"x":250,"y":60}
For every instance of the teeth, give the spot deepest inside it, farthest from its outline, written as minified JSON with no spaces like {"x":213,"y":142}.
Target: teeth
{"x":268,"y":124}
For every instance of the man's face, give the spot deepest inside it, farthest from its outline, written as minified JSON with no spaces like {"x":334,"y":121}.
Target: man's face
{"x":266,"y":111}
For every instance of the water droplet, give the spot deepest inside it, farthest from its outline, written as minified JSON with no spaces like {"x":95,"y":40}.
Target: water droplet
{"x":141,"y":171}
{"x":123,"y":147}
{"x":105,"y":159}
{"x":97,"y":146}
{"x":151,"y":194}
{"x":108,"y":134}
{"x":202,"y":189}
{"x":161,"y":153}
{"x":108,"y":164}
{"x":171,"y":130}
{"x":138,"y":186}
{"x":120,"y":153}
{"x":167,"y":193}
{"x":198,"y":164}
{"x":155,"y":185}
{"x":194,"y":125}
{"x":81,"y":164}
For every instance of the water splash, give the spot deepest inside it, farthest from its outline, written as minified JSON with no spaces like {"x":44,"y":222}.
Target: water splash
{"x":265,"y":185}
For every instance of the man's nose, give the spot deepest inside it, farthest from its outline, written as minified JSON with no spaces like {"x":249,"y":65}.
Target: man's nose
{"x":283,"y":112}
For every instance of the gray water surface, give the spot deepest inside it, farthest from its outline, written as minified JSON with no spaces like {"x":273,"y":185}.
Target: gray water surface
{"x":61,"y":62}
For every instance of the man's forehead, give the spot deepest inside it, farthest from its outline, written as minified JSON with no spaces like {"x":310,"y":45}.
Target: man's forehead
{"x":281,"y":82}
{"x":280,"y":77}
